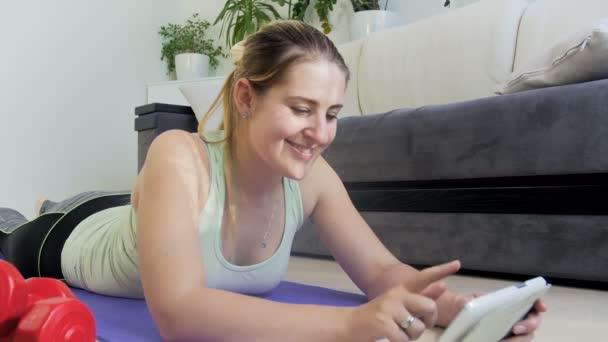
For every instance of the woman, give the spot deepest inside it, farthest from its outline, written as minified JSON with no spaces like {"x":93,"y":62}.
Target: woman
{"x":212,"y":217}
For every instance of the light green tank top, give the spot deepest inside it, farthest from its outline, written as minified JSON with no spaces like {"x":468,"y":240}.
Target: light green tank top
{"x":100,"y":255}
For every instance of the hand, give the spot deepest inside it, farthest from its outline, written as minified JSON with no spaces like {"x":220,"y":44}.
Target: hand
{"x":524,"y":329}
{"x":450,"y":304}
{"x":381,"y":317}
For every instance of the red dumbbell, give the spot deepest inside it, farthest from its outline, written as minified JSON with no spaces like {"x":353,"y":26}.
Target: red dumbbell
{"x":40,"y":310}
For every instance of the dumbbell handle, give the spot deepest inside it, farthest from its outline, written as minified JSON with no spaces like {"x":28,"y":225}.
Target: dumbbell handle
{"x":43,"y":288}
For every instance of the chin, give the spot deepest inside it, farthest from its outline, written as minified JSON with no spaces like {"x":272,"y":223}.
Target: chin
{"x":297,"y":166}
{"x":298,"y":171}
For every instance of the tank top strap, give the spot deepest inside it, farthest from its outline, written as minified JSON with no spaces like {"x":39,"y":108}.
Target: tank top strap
{"x":215,"y":152}
{"x":294,"y":211}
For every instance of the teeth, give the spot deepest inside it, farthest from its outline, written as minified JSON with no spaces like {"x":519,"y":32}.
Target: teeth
{"x":301,"y":148}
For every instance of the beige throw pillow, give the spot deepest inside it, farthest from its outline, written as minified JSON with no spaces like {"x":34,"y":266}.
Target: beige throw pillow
{"x":200,"y":94}
{"x":579,"y":58}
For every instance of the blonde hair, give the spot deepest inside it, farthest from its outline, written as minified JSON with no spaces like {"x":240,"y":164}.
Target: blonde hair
{"x":263,"y":59}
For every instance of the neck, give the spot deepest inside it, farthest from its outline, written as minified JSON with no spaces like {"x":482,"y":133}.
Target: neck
{"x":250,"y":176}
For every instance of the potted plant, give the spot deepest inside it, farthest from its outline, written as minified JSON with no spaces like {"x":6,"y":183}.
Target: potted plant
{"x":186,"y":50}
{"x":243,"y":17}
{"x":369,"y":17}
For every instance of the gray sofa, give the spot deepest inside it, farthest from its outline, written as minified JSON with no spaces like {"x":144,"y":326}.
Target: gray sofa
{"x":512,"y":184}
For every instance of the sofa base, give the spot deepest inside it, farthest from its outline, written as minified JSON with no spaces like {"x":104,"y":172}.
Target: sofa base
{"x":569,"y":247}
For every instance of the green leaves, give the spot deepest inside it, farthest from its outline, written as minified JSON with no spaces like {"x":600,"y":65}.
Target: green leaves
{"x":299,"y":8}
{"x":243,"y":17}
{"x":323,"y":8}
{"x":189,"y":37}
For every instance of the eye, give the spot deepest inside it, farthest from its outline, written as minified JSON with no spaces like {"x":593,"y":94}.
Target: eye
{"x":331,"y":117}
{"x":300,"y":110}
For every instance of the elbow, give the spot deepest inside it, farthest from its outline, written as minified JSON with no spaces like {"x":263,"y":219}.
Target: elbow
{"x":178,"y":318}
{"x":168,"y":325}
{"x":166,"y":328}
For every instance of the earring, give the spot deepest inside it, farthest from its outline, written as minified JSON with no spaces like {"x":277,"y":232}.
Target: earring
{"x":244,"y":115}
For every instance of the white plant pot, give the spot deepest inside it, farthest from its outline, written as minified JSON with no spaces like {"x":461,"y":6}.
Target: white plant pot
{"x":366,"y":22}
{"x":189,"y":66}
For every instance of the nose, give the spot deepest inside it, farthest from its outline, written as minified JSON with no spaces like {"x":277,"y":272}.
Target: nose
{"x":318,"y":130}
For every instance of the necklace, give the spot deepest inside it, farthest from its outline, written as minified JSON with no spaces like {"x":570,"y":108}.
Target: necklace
{"x":267,"y":233}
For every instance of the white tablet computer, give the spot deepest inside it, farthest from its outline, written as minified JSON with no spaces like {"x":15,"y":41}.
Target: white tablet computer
{"x":491,"y":316}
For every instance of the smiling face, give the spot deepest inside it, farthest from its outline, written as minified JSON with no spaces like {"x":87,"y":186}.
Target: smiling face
{"x":292,"y":123}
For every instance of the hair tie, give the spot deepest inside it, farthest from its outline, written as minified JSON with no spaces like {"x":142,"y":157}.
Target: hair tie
{"x":236,"y":52}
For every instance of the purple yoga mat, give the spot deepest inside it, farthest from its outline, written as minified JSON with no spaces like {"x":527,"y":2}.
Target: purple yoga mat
{"x":120,"y":319}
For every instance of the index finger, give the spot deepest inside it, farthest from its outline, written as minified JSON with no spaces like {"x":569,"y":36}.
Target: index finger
{"x":540,"y":305}
{"x":433,"y":274}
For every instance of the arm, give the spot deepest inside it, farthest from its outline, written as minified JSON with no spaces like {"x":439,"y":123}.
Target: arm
{"x":371,"y":266}
{"x":171,"y":268}
{"x":366,"y":260}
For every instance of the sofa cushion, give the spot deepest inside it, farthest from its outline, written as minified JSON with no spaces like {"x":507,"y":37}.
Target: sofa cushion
{"x":551,"y":131}
{"x":545,"y":22}
{"x":580,"y":57}
{"x":464,"y":54}
{"x":200,"y":95}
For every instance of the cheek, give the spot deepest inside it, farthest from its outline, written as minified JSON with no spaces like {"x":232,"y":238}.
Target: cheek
{"x":288,"y":128}
{"x":332,"y":133}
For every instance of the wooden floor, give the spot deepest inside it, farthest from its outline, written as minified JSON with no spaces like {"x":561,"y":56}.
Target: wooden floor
{"x":575,"y":314}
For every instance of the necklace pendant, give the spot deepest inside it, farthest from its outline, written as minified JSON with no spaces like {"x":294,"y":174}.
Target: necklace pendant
{"x":263,"y":244}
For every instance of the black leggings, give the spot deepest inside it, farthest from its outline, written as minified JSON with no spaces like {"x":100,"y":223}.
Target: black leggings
{"x":35,"y":246}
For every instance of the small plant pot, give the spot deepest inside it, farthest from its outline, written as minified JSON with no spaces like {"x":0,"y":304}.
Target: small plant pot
{"x":366,"y":22}
{"x":189,"y":66}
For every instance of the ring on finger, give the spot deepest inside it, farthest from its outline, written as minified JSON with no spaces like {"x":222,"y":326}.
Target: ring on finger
{"x":406,"y":323}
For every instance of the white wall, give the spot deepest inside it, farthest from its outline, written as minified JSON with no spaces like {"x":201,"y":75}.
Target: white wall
{"x":71,"y":73}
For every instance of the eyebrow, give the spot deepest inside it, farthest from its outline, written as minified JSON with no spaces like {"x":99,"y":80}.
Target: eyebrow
{"x":313,"y":102}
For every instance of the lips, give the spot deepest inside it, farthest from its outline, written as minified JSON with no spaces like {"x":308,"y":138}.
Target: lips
{"x":305,"y":152}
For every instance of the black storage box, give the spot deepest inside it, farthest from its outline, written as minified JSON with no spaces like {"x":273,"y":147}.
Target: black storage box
{"x":154,"y":118}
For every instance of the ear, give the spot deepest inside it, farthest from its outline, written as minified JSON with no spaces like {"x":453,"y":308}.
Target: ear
{"x":243,"y":95}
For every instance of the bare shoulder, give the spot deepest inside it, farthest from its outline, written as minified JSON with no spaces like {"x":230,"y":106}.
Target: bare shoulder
{"x":177,"y":152}
{"x":177,"y":146}
{"x":322,"y":178}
